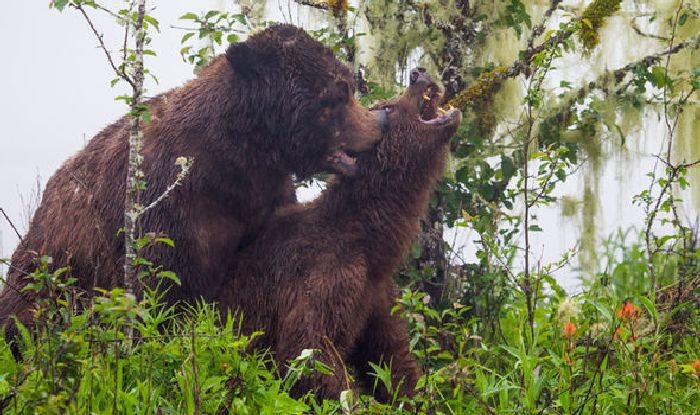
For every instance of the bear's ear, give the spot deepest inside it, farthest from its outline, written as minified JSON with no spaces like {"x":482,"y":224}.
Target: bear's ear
{"x":246,"y":60}
{"x":241,"y":58}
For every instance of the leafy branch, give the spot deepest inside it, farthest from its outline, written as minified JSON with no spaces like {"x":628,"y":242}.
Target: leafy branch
{"x":136,"y":22}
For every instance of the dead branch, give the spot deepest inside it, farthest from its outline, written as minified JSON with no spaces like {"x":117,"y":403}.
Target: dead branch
{"x":120,"y":72}
{"x":185,"y":165}
{"x":12,"y":225}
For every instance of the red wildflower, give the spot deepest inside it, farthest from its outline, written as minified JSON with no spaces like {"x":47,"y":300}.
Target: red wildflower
{"x":696,"y":366}
{"x":569,"y":329}
{"x":628,"y":311}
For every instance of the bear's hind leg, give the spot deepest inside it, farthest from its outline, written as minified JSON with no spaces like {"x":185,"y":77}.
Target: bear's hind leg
{"x":385,"y":342}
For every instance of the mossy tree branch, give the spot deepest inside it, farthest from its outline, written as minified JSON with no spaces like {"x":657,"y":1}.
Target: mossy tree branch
{"x":336,"y":6}
{"x":489,"y":83}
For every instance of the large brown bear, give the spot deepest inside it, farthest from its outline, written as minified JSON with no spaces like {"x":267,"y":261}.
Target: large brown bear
{"x":320,"y":275}
{"x":277,"y":104}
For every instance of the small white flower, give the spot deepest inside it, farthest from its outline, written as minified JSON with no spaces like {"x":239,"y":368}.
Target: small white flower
{"x":568,"y":309}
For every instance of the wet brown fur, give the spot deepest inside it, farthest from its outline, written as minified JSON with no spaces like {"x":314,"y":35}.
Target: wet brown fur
{"x":274,"y":105}
{"x":320,"y":275}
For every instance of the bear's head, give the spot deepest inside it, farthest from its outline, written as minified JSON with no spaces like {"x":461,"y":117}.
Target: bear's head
{"x":417,"y":130}
{"x":305,"y":109}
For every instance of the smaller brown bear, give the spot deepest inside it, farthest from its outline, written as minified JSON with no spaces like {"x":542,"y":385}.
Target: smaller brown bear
{"x":319,"y":276}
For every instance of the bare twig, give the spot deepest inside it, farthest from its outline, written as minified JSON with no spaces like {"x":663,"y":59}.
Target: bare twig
{"x":12,"y":225}
{"x":99,"y":37}
{"x":673,"y":171}
{"x":222,"y":28}
{"x":656,"y":57}
{"x":539,"y":29}
{"x":185,"y":165}
{"x":633,"y":24}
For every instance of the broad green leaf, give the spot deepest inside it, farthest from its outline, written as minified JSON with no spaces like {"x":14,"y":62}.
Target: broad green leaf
{"x":188,"y":16}
{"x":186,"y":37}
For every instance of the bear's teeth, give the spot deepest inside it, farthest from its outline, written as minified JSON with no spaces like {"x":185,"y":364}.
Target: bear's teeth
{"x":346,"y":159}
{"x":443,"y":111}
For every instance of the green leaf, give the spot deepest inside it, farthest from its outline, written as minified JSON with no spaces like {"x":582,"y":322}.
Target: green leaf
{"x":169,"y":275}
{"x":186,"y":37}
{"x":651,"y":309}
{"x":4,"y":386}
{"x":166,"y":241}
{"x":561,"y":174}
{"x":152,"y":20}
{"x":383,"y":375}
{"x":216,"y":36}
{"x":507,"y":166}
{"x":145,"y":117}
{"x":232,"y":38}
{"x":59,"y":4}
{"x":658,"y":78}
{"x":188,"y":16}
{"x":604,"y":311}
{"x":682,"y":19}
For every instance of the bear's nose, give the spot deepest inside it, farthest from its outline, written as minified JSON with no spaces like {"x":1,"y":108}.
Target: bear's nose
{"x":415,"y":74}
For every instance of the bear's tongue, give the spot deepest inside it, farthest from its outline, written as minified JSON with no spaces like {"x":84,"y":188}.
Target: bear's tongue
{"x":343,"y":158}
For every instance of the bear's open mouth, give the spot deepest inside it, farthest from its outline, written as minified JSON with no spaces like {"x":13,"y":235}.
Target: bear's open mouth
{"x":429,"y":109}
{"x":446,"y":117}
{"x":428,"y":105}
{"x":342,"y":157}
{"x":345,"y":157}
{"x":343,"y":161}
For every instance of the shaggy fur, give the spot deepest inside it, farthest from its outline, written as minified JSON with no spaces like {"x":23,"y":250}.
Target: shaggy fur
{"x":277,"y":104}
{"x":320,"y":275}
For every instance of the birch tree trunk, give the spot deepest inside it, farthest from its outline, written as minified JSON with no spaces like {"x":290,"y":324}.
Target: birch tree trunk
{"x":134,"y":176}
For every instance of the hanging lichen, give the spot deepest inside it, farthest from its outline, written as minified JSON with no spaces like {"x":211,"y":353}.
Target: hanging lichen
{"x":589,"y":209}
{"x":687,"y":150}
{"x":569,"y":206}
{"x":396,"y":31}
{"x":593,"y":18}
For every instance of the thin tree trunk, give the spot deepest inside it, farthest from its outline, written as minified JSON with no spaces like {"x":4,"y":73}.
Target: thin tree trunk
{"x":134,"y":175}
